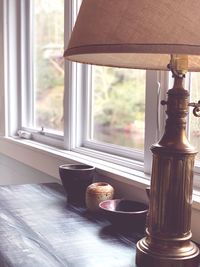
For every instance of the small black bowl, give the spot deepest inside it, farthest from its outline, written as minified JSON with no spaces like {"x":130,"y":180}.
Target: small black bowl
{"x":125,"y":214}
{"x":75,"y":180}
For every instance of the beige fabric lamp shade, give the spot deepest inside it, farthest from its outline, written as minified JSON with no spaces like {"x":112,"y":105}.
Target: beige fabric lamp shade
{"x":136,"y":33}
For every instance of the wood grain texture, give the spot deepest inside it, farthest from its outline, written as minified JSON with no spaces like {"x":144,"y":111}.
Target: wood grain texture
{"x":38,"y":228}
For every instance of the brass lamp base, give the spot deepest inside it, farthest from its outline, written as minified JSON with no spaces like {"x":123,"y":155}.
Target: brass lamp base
{"x":187,"y":256}
{"x":167,"y":242}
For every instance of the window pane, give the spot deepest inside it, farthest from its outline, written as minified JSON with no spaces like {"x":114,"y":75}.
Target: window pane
{"x":48,"y":35}
{"x":194,"y":133}
{"x":118,"y":106}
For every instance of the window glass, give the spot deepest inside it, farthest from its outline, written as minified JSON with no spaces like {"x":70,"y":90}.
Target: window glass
{"x":118,"y":110}
{"x":194,"y":130}
{"x":48,"y":63}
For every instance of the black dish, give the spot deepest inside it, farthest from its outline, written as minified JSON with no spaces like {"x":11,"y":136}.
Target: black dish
{"x":125,"y":214}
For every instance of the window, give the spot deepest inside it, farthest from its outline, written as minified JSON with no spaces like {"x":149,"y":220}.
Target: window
{"x":45,"y":41}
{"x":83,"y":108}
{"x":118,"y":106}
{"x":47,"y":64}
{"x":108,"y":113}
{"x":194,"y":129}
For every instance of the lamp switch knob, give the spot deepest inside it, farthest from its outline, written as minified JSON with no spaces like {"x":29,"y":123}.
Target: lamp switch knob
{"x":163,"y":102}
{"x":196,"y":108}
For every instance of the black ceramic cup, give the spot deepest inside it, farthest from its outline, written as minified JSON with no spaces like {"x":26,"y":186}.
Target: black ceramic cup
{"x":75,"y":180}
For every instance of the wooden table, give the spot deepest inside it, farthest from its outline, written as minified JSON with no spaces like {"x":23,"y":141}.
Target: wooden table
{"x":38,"y":228}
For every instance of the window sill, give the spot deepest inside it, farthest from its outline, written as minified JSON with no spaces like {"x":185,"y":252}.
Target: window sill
{"x":47,"y":159}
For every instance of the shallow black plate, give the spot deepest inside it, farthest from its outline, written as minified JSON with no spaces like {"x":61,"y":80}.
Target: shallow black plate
{"x":125,"y":214}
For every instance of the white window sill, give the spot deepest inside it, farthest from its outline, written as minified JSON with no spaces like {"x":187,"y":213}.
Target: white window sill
{"x":47,"y":159}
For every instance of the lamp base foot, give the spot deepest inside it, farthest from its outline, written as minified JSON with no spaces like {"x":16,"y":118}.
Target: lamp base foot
{"x":147,"y":257}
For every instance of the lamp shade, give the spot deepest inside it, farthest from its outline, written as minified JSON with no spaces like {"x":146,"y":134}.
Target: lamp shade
{"x":136,"y":33}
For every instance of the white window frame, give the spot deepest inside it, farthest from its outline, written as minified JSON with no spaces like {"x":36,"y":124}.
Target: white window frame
{"x":76,"y":103}
{"x":125,"y":156}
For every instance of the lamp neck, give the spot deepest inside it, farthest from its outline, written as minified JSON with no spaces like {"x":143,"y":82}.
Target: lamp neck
{"x":177,"y":109}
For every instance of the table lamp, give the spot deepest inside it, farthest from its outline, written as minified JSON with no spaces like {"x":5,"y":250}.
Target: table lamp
{"x":155,"y":35}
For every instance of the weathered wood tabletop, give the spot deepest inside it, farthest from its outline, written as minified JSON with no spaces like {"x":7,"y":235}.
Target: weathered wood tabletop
{"x":38,"y":228}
